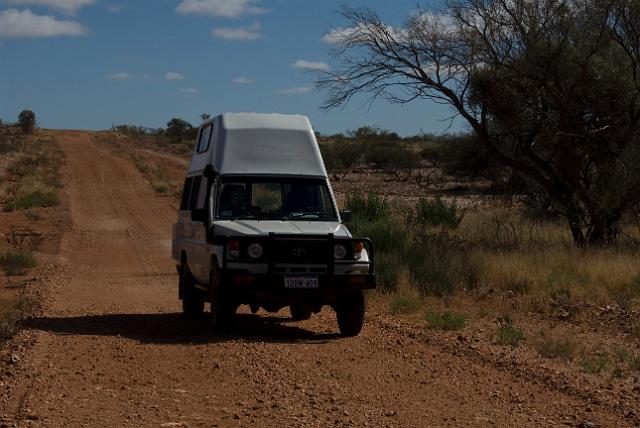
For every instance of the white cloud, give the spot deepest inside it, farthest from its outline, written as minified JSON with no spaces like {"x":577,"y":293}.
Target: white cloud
{"x":66,"y":6}
{"x":120,"y":76}
{"x":426,"y":21}
{"x":15,"y":24}
{"x":172,"y":75}
{"x":189,"y":91}
{"x":339,"y":35}
{"x":311,"y":65}
{"x":243,"y":80}
{"x":296,"y":90}
{"x":220,"y":8}
{"x":114,"y":8}
{"x":240,"y":34}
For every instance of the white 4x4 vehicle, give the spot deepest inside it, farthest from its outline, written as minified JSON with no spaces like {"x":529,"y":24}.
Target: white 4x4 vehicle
{"x":258,"y":225}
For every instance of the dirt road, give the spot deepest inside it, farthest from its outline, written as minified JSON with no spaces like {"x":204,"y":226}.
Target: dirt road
{"x":113,"y":350}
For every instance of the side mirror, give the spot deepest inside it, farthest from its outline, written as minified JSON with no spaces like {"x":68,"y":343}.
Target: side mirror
{"x":210,"y":172}
{"x":346,"y":216}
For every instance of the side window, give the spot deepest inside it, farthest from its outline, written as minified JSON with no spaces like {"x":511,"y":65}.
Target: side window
{"x":195,"y":191}
{"x":202,"y":195}
{"x":186,"y":194}
{"x":205,"y":139}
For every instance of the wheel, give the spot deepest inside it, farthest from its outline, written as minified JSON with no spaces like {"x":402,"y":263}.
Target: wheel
{"x":300,"y":312}
{"x":350,"y":314}
{"x":222,"y":308}
{"x":192,"y":299}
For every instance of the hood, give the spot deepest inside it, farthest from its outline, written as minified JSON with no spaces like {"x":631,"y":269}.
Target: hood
{"x":264,"y":227}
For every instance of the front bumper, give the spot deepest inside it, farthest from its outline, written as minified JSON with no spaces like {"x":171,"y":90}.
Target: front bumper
{"x":244,"y":281}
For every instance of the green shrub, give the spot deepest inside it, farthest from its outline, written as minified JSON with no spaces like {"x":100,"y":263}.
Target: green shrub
{"x":9,"y":326}
{"x":17,"y":262}
{"x":446,"y":321}
{"x":594,"y":364}
{"x":387,"y":272}
{"x":437,"y":264}
{"x":368,"y":207}
{"x":401,"y":304}
{"x":37,"y":199}
{"x":388,"y":236}
{"x":160,"y":187}
{"x":508,"y":333}
{"x":436,"y":212}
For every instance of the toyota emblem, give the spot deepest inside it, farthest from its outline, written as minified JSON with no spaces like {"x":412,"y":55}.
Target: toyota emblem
{"x":299,"y":252}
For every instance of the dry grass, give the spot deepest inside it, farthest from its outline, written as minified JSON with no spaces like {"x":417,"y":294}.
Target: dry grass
{"x":406,"y":299}
{"x":34,"y":168}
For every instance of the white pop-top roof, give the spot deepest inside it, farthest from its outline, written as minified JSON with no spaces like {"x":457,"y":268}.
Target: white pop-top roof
{"x":252,"y":143}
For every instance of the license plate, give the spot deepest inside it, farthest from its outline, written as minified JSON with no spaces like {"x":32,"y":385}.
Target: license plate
{"x":301,"y":282}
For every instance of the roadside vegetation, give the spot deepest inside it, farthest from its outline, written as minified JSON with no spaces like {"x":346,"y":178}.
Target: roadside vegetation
{"x":30,"y":181}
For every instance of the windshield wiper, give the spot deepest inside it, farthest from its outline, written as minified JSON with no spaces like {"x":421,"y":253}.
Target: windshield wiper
{"x":317,"y":214}
{"x":245,"y":217}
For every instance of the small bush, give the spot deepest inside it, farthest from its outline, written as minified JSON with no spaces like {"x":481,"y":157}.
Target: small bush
{"x":508,"y":333}
{"x":32,"y":215}
{"x":549,"y":347}
{"x":446,"y":321}
{"x":160,"y":187}
{"x":388,"y":236}
{"x":436,"y":212}
{"x":17,"y":262}
{"x":387,"y":272}
{"x":37,"y":199}
{"x":594,"y":364}
{"x":401,"y":304}
{"x":9,"y":326}
{"x":438,"y":265}
{"x":368,"y":207}
{"x":9,"y":145}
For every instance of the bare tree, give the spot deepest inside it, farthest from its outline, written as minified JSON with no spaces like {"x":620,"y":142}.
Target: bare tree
{"x":549,"y":87}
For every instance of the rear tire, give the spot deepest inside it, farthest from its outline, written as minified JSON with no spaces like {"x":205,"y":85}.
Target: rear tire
{"x":300,"y":312}
{"x":192,"y":299}
{"x":350,"y":314}
{"x":222,"y":310}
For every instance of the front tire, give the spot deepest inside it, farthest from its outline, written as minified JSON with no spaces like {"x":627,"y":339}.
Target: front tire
{"x":350,"y":314}
{"x":300,"y":312}
{"x":222,"y":309}
{"x":192,"y":299}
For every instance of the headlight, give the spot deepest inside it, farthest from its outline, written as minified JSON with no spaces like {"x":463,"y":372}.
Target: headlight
{"x":254,"y":250}
{"x":339,"y":252}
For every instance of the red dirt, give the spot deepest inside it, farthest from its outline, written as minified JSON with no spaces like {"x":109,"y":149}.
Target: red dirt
{"x":111,"y":348}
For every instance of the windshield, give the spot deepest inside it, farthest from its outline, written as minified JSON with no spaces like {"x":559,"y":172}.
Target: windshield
{"x":275,"y":199}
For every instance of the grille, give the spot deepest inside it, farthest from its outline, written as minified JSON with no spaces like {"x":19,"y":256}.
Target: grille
{"x":301,"y":251}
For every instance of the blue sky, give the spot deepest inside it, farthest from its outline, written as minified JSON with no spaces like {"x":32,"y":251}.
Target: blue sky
{"x":88,"y":64}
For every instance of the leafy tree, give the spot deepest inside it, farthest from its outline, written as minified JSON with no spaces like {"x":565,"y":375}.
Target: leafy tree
{"x":178,"y":129}
{"x":550,"y":88}
{"x":205,"y":117}
{"x":27,"y":121}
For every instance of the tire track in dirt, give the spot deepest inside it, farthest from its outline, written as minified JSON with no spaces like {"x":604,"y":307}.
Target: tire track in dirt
{"x":113,"y":350}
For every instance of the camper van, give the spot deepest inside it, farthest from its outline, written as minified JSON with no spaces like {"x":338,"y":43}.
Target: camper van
{"x":258,"y":225}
